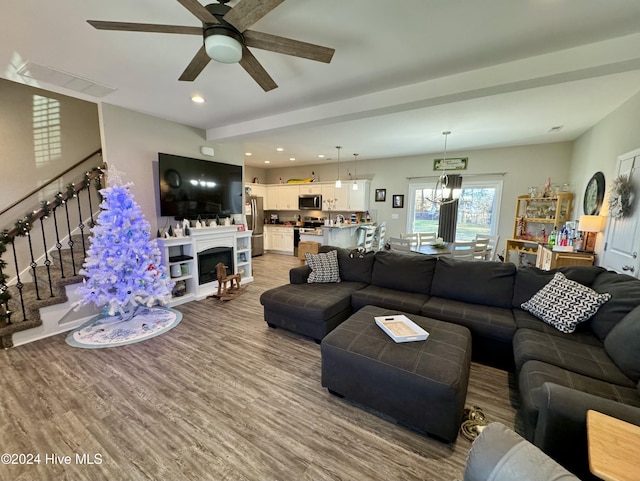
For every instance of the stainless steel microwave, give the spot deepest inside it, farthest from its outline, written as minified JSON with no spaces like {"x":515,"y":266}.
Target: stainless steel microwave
{"x":310,"y":202}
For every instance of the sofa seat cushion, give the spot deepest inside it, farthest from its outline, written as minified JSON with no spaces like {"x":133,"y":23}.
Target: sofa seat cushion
{"x":403,"y":271}
{"x":484,"y":321}
{"x":570,"y":355}
{"x":388,"y":298}
{"x":535,"y":373}
{"x":625,"y":296}
{"x":583,"y":334}
{"x":314,"y":302}
{"x":484,"y":283}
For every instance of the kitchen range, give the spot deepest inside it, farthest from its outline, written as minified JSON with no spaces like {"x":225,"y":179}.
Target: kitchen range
{"x":311,"y":231}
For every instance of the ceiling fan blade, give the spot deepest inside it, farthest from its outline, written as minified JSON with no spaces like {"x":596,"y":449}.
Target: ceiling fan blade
{"x":248,"y":12}
{"x":198,"y":63}
{"x":144,"y":27}
{"x":199,"y":11}
{"x":287,"y":46}
{"x":257,"y":71}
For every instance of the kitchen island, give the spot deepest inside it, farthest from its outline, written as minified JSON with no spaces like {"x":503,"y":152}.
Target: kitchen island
{"x":342,"y":235}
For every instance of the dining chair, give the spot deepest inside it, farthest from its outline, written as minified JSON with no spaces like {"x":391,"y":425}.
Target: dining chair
{"x":463,"y":250}
{"x":427,"y":238}
{"x":379,"y":236}
{"x":492,"y":247}
{"x":399,"y":244}
{"x":412,"y":237}
{"x":368,"y":238}
{"x":481,"y":251}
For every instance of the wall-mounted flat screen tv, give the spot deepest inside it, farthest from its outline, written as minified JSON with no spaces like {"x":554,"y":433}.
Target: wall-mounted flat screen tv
{"x":189,"y":188}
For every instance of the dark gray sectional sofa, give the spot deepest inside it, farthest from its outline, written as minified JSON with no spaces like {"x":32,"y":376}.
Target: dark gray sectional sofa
{"x":560,"y":375}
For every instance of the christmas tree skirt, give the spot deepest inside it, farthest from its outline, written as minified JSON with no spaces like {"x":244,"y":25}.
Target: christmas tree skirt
{"x":111,"y":331}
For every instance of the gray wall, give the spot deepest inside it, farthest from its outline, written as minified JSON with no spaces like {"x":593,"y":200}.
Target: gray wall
{"x":132,"y":141}
{"x":598,"y":150}
{"x":79,"y":135}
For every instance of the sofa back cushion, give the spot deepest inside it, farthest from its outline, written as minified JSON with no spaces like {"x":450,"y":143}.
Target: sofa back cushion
{"x":487,"y":283}
{"x":530,"y":280}
{"x":623,"y":345}
{"x":625,"y":296}
{"x":403,"y":271}
{"x":355,"y":268}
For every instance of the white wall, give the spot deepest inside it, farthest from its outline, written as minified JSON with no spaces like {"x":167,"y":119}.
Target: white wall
{"x":524,"y":166}
{"x":131,"y":142}
{"x":598,"y":150}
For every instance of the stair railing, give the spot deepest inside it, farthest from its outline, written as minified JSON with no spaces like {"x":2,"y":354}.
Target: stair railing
{"x":55,"y":219}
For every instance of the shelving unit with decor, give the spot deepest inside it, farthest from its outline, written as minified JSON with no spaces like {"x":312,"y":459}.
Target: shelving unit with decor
{"x":534,"y":220}
{"x":243,"y":256}
{"x":178,"y":257}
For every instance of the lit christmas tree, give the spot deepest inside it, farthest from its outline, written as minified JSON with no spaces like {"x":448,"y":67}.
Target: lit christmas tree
{"x":123,"y":266}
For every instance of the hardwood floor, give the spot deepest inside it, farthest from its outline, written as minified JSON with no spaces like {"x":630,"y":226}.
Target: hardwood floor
{"x":219,"y":397}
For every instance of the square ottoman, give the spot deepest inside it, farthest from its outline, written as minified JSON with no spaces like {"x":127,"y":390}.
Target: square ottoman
{"x":421,"y":384}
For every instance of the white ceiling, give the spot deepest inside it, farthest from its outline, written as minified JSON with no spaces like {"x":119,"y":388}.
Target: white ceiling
{"x":494,"y":72}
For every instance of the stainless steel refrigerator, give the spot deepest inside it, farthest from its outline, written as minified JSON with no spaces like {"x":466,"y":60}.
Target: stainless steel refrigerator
{"x":256,"y":224}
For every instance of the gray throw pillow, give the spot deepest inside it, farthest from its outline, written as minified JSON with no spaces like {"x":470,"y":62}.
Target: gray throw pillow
{"x":324,"y":267}
{"x":623,"y":345}
{"x":564,"y":303}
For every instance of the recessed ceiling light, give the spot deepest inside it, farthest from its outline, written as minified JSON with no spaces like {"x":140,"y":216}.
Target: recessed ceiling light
{"x":321,"y":156}
{"x":267,"y":161}
{"x":292,"y":159}
{"x":556,"y":128}
{"x":198,"y":99}
{"x":280,"y":149}
{"x":248,"y":154}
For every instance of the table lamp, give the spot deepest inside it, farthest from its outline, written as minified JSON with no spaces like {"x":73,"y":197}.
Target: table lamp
{"x":590,"y":225}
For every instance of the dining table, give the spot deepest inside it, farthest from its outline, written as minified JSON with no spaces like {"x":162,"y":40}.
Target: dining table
{"x":432,"y":250}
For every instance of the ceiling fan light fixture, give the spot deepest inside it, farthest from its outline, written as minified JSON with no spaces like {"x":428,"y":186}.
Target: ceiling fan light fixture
{"x":223,"y":44}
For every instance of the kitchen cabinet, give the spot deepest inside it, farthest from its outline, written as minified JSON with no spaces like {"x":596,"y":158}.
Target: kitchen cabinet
{"x":549,"y":259}
{"x":258,"y":190}
{"x":359,"y":199}
{"x":310,"y":188}
{"x":353,"y":200}
{"x":282,"y":197}
{"x":278,"y":238}
{"x":288,"y":197}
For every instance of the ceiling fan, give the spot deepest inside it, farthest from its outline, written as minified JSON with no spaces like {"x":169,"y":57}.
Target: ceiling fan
{"x":226,"y":38}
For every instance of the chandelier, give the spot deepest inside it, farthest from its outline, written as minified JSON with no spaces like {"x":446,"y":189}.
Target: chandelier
{"x":448,"y":187}
{"x":338,"y":181}
{"x":355,"y":174}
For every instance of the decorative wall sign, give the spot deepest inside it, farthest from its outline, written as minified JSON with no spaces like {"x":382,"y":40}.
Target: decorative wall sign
{"x":454,"y":163}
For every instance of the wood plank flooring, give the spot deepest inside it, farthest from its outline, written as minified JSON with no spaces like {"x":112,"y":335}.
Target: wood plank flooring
{"x":219,"y":397}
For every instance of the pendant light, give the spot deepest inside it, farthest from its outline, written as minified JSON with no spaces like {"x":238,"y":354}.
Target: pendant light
{"x":355,"y":174}
{"x":338,"y":182}
{"x":447,"y":188}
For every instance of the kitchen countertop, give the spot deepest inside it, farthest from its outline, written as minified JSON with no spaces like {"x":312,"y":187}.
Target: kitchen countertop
{"x":347,"y":226}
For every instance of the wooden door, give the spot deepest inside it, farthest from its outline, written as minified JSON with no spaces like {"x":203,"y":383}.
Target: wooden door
{"x":622,"y":241}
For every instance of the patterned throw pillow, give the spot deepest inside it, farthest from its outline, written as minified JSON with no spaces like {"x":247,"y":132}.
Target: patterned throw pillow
{"x":324,"y":267}
{"x":564,"y":303}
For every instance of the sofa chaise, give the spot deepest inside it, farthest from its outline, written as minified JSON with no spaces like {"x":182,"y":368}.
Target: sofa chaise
{"x":560,"y":375}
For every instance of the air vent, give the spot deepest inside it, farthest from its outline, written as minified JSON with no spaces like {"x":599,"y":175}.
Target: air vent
{"x":53,"y":76}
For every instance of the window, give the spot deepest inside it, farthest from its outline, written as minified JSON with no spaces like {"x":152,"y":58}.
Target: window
{"x":47,"y":142}
{"x":478,"y":208}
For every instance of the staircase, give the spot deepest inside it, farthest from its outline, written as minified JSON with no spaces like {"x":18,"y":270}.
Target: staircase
{"x":44,"y":253}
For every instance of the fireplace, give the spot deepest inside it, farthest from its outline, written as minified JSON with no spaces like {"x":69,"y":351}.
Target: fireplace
{"x":208,"y":259}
